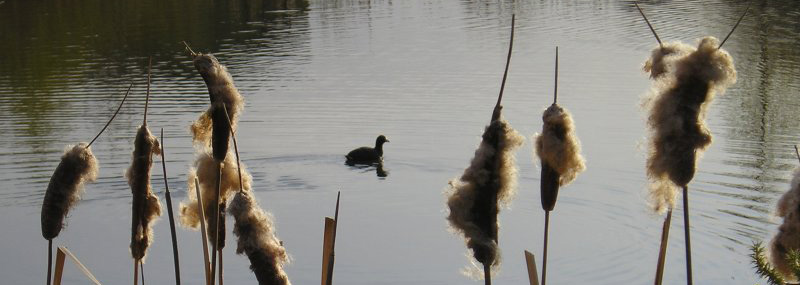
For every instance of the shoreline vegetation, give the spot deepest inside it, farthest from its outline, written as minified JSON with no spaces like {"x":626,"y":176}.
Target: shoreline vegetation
{"x":685,"y":79}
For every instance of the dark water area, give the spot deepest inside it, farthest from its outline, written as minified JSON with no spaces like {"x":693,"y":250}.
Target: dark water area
{"x":320,"y":78}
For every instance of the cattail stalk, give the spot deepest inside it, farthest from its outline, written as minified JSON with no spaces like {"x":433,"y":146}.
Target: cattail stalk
{"x":686,"y":233}
{"x":145,"y":207}
{"x":215,"y":226}
{"x":488,"y":183}
{"x":736,"y":25}
{"x":662,"y":252}
{"x":78,"y":165}
{"x":201,"y":214}
{"x":169,"y":212}
{"x":657,"y":66}
{"x":226,"y":103}
{"x":544,"y":251}
{"x":679,"y":134}
{"x":648,"y":24}
{"x":558,"y":149}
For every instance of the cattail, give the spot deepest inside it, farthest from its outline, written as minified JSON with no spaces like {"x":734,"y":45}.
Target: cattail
{"x":678,"y":131}
{"x":146,"y":207}
{"x":788,"y":236}
{"x":221,"y":91}
{"x":490,"y":181}
{"x":486,"y":185}
{"x":206,"y":169}
{"x":559,"y":150}
{"x":78,"y":165}
{"x":256,"y":238}
{"x":677,"y":109}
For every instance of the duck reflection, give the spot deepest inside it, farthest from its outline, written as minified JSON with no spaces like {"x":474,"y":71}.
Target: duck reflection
{"x":365,"y":167}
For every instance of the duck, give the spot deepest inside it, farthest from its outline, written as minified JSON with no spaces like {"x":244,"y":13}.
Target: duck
{"x":367,"y":154}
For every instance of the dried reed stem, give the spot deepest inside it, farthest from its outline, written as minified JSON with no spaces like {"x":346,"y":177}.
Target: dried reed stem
{"x":332,"y":257}
{"x":203,"y":230}
{"x":147,"y":98}
{"x":686,"y":230}
{"x":135,"y":272}
{"x":662,"y":252}
{"x":169,"y":211}
{"x":215,"y":245}
{"x":191,"y":52}
{"x":734,"y":26}
{"x":555,"y":89}
{"x":497,"y":107}
{"x":235,"y":147}
{"x":112,"y":116}
{"x":648,"y":24}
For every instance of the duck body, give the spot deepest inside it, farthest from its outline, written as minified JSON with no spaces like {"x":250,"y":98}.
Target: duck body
{"x":367,"y":154}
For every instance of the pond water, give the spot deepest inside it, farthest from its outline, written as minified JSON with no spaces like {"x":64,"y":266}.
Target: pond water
{"x":323,"y":77}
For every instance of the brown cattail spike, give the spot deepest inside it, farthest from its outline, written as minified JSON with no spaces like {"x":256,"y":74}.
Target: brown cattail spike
{"x":257,"y":240}
{"x":678,"y":133}
{"x":224,"y":97}
{"x":558,"y":149}
{"x":487,"y":184}
{"x":146,"y":207}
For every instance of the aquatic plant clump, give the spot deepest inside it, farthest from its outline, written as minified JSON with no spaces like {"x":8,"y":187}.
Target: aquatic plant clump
{"x":206,"y":169}
{"x":146,"y":207}
{"x":662,"y":58}
{"x":486,"y":185}
{"x":677,"y":109}
{"x":788,"y":237}
{"x":78,"y":165}
{"x":256,"y":238}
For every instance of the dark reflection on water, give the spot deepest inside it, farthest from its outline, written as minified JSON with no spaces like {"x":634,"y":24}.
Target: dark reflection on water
{"x":369,"y":167}
{"x":318,"y":75}
{"x":760,"y":118}
{"x":53,"y":50}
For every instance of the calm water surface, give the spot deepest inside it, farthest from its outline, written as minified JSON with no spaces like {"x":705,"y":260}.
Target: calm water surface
{"x":323,"y":77}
